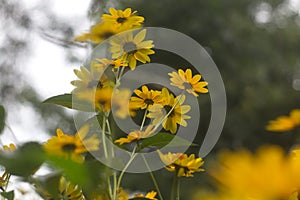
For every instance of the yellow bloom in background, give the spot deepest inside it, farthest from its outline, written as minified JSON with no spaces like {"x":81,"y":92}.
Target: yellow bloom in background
{"x":150,"y":195}
{"x":186,"y":81}
{"x":99,"y":98}
{"x":116,"y":63}
{"x":90,"y":79}
{"x":285,"y":123}
{"x":182,"y":164}
{"x":70,"y":146}
{"x":145,"y":98}
{"x":120,"y":100}
{"x":177,"y":115}
{"x":132,"y":49}
{"x":136,"y":135}
{"x":11,"y":147}
{"x":267,"y":174}
{"x":98,"y":33}
{"x":125,"y":19}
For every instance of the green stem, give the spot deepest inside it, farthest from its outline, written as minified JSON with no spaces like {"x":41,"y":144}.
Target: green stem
{"x":144,"y":119}
{"x":115,"y":186}
{"x":153,"y":178}
{"x":103,"y":136}
{"x":174,"y":186}
{"x":110,"y":137}
{"x":178,"y":189}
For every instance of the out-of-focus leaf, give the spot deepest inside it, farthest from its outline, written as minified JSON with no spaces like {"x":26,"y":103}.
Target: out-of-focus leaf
{"x":2,"y":118}
{"x":8,"y":195}
{"x":163,"y":139}
{"x":24,"y":161}
{"x":70,"y":101}
{"x":47,"y":185}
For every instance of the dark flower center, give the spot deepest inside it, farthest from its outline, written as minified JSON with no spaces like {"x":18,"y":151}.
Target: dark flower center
{"x":187,"y":86}
{"x":130,"y":47}
{"x":69,"y":147}
{"x":168,"y":109}
{"x":95,"y":83}
{"x":121,"y":20}
{"x":106,"y":34}
{"x":148,"y":101}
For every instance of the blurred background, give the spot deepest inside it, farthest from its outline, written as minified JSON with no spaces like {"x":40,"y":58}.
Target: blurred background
{"x":254,"y":43}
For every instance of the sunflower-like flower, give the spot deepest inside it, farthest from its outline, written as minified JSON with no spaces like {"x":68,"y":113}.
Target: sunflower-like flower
{"x":90,"y":79}
{"x":150,"y":195}
{"x":175,"y":110}
{"x":182,"y":164}
{"x":70,"y":146}
{"x":100,"y":98}
{"x":285,"y":123}
{"x":132,"y":49}
{"x":136,"y":135}
{"x":145,"y":98}
{"x":99,"y":32}
{"x":125,"y":19}
{"x":186,"y":81}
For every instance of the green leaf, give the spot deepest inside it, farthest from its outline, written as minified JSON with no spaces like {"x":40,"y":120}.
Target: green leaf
{"x":48,"y":184}
{"x":70,"y":101}
{"x":8,"y":195}
{"x":2,"y":118}
{"x":163,"y":139}
{"x":24,"y":161}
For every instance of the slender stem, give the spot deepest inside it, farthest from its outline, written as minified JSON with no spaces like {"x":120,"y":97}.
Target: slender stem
{"x":174,"y":185}
{"x":109,"y":188}
{"x":110,"y":136}
{"x":132,"y":156}
{"x":115,"y":185}
{"x":153,"y":178}
{"x":103,"y":136}
{"x":178,"y":189}
{"x":144,"y":119}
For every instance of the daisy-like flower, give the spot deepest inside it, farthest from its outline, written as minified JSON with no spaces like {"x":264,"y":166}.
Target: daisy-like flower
{"x":186,"y":81}
{"x":145,"y":98}
{"x":116,"y":63}
{"x":120,"y":100}
{"x":90,"y":79}
{"x":285,"y":123}
{"x":182,"y":164}
{"x":125,"y":19}
{"x":150,"y":195}
{"x":70,"y":146}
{"x":99,"y":32}
{"x":99,"y":98}
{"x":176,"y":114}
{"x":136,"y":135}
{"x":132,"y":49}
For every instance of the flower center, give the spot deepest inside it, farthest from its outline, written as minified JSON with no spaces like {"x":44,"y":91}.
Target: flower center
{"x":121,"y":20}
{"x":187,"y":86}
{"x":148,"y":101}
{"x":168,"y":109}
{"x":130,"y":47}
{"x":106,"y":34}
{"x":69,"y":147}
{"x":95,"y":83}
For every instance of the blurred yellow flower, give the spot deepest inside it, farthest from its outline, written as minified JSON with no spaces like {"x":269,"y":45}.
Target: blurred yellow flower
{"x":116,"y":63}
{"x":120,"y":100}
{"x":125,"y":19}
{"x":285,"y":123}
{"x":176,"y":116}
{"x":136,"y":135}
{"x":11,"y":147}
{"x":145,"y":98}
{"x":150,"y":195}
{"x":70,"y":146}
{"x":186,"y":81}
{"x":130,"y":48}
{"x":181,"y":163}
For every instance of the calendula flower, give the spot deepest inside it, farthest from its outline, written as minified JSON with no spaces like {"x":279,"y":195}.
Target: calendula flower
{"x":150,"y":195}
{"x":90,"y":79}
{"x":136,"y":135}
{"x":70,"y":146}
{"x":145,"y":98}
{"x":176,"y":115}
{"x":285,"y":123}
{"x":267,"y":174}
{"x":123,"y":19}
{"x":130,"y":48}
{"x":186,"y":81}
{"x":181,"y":163}
{"x":99,"y":32}
{"x":99,"y":98}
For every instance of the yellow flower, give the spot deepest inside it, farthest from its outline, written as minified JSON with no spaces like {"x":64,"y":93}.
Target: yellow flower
{"x":182,"y":164}
{"x":285,"y":123}
{"x":11,"y":147}
{"x":4,"y":179}
{"x":99,"y":32}
{"x":122,"y":195}
{"x":145,"y":98}
{"x":136,"y":135}
{"x":116,"y":63}
{"x":125,"y":19}
{"x":267,"y":174}
{"x":121,"y":101}
{"x":99,"y":98}
{"x":130,"y":48}
{"x":176,"y":116}
{"x":70,"y":146}
{"x":95,"y":78}
{"x":150,"y":195}
{"x":186,"y":81}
